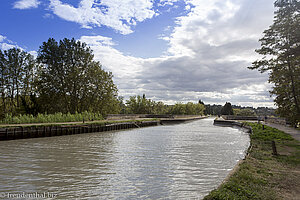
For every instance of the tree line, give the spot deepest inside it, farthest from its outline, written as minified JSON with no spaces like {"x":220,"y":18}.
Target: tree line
{"x":62,"y":78}
{"x":228,"y":109}
{"x":141,"y":105}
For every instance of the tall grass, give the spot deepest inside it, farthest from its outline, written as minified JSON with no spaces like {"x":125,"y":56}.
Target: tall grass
{"x":51,"y":118}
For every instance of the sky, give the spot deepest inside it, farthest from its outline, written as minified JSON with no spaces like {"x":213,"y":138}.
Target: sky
{"x":170,"y":50}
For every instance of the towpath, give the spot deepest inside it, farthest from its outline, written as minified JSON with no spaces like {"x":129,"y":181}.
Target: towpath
{"x":292,"y":131}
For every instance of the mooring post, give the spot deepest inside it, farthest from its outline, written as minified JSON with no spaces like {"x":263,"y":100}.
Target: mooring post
{"x":274,"y":148}
{"x":22,"y":130}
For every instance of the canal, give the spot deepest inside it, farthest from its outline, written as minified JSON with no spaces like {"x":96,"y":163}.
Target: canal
{"x":184,"y":161}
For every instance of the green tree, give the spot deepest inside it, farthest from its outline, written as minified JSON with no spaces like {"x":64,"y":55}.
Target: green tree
{"x":201,"y":102}
{"x":227,"y":109}
{"x":140,"y":105}
{"x":280,"y":48}
{"x":187,"y":109}
{"x":16,"y":81}
{"x":69,"y":80}
{"x":243,"y":112}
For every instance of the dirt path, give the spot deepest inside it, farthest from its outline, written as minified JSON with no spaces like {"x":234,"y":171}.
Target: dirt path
{"x":293,"y":132}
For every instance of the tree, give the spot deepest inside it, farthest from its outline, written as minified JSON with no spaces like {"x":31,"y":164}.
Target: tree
{"x":187,"y":109}
{"x":280,"y":48}
{"x":69,"y":80}
{"x":140,"y":105}
{"x":201,"y":102}
{"x":243,"y":112}
{"x":16,"y":81}
{"x":227,"y":109}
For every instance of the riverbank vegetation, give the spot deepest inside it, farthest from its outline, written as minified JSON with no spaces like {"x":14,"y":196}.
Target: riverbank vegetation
{"x":263,"y":175}
{"x":280,"y":52}
{"x":141,"y":105}
{"x":63,"y":78}
{"x":65,"y":83}
{"x":240,"y":111}
{"x":50,"y":118}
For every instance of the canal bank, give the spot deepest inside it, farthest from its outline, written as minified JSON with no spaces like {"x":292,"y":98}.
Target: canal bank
{"x":17,"y":131}
{"x":263,"y":174}
{"x":182,"y":161}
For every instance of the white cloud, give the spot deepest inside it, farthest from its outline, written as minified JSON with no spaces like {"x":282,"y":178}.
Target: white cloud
{"x":26,"y":4}
{"x":6,"y":44}
{"x":119,"y":15}
{"x":124,"y":68}
{"x":2,"y":38}
{"x":209,"y":52}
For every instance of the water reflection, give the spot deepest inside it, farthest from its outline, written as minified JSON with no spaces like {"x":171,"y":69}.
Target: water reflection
{"x":183,"y":161}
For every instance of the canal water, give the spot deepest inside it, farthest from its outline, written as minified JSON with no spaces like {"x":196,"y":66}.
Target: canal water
{"x":184,"y":161}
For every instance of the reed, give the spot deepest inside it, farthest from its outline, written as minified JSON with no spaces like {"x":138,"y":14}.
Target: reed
{"x":51,"y":118}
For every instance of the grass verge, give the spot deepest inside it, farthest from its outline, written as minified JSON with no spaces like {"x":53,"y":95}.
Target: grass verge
{"x":99,"y":122}
{"x":51,"y":118}
{"x":263,"y":175}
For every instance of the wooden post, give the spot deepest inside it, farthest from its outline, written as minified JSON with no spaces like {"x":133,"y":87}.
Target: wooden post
{"x":274,"y":148}
{"x":22,"y":130}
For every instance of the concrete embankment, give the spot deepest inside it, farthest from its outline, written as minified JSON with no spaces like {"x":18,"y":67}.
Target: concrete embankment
{"x":232,"y":123}
{"x":12,"y":132}
{"x":23,"y":132}
{"x":177,"y":120}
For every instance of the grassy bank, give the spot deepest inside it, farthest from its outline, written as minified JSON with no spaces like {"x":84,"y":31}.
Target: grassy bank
{"x":51,"y":118}
{"x":263,"y":175}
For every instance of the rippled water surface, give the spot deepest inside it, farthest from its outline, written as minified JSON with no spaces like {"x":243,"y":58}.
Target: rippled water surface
{"x":182,"y":161}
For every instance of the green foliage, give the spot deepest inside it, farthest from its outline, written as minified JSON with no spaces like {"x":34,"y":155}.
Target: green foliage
{"x":51,"y":118}
{"x":17,"y":72}
{"x":71,"y":81}
{"x":280,"y":48}
{"x":243,"y":112}
{"x":142,"y":105}
{"x":243,"y":185}
{"x":268,"y":133}
{"x":227,"y":109}
{"x":187,"y":109}
{"x":213,"y":109}
{"x":64,"y":78}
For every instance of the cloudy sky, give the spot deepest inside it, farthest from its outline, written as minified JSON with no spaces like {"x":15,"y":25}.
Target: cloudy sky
{"x":170,"y":50}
